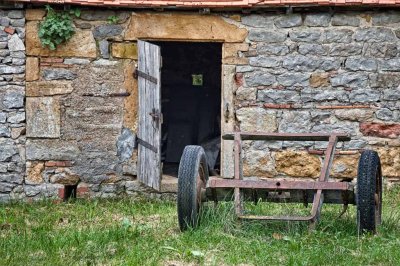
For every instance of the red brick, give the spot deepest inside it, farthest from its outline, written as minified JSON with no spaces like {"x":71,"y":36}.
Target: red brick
{"x":51,"y":60}
{"x":239,"y":79}
{"x":82,"y":191}
{"x":391,"y":131}
{"x":9,"y":30}
{"x":61,"y":193}
{"x":58,"y":163}
{"x":343,"y":106}
{"x":61,"y":65}
{"x":278,"y":106}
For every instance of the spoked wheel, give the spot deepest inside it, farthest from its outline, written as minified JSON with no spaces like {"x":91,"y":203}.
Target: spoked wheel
{"x":369,"y":192}
{"x":192,"y":181}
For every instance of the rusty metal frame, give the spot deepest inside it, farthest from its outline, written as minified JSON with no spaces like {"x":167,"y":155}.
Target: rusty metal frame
{"x":283,"y":185}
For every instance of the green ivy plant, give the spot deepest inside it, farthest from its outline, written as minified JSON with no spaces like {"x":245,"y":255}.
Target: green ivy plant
{"x":112,"y":19}
{"x":57,"y":27}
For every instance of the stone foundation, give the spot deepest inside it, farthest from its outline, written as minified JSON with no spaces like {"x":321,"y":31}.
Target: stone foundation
{"x":303,"y":72}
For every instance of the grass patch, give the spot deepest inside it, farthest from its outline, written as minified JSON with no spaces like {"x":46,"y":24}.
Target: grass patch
{"x":138,"y":232}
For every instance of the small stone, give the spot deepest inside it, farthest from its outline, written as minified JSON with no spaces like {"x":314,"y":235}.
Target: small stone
{"x":3,"y":117}
{"x":14,"y":100}
{"x":259,"y":78}
{"x":385,"y":18}
{"x":356,"y":144}
{"x":3,"y":45}
{"x":266,"y":120}
{"x":391,"y":95}
{"x":258,"y":21}
{"x":49,"y":149}
{"x":301,"y":63}
{"x":305,"y":35}
{"x":364,"y":96}
{"x":293,"y":79}
{"x":352,"y":80}
{"x":297,"y":164}
{"x":312,"y":49}
{"x":312,"y":95}
{"x":34,"y":173}
{"x":16,"y":132}
{"x":43,"y":114}
{"x":338,"y":36}
{"x":4,"y":21}
{"x":124,"y":50}
{"x":107,"y":31}
{"x":317,"y":20}
{"x":18,"y":61}
{"x":83,"y":25}
{"x":12,"y":69}
{"x":346,"y":49}
{"x":289,"y":21}
{"x":76,"y":61}
{"x":295,"y":122}
{"x":354,"y":114}
{"x":125,"y":144}
{"x":8,"y":149}
{"x":64,"y":176}
{"x":364,"y":64}
{"x":374,"y":35}
{"x":265,"y":61}
{"x":15,"y":14}
{"x":319,"y":79}
{"x":278,"y":96}
{"x":5,"y":131}
{"x":104,"y":62}
{"x":391,"y":131}
{"x":345,"y":20}
{"x":267,"y":36}
{"x":18,"y":22}
{"x":390,"y":64}
{"x":15,"y":118}
{"x":104,"y":49}
{"x":384,"y":114}
{"x":34,"y":14}
{"x":56,"y":74}
{"x":272,"y":49}
{"x":32,"y":69}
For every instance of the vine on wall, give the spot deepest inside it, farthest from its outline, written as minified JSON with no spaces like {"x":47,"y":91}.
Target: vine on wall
{"x":57,"y":27}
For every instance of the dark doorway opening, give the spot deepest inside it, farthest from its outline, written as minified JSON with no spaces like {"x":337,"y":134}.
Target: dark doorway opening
{"x":190,"y":101}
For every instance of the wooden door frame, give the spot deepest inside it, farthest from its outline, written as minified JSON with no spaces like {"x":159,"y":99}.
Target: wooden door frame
{"x":230,"y":59}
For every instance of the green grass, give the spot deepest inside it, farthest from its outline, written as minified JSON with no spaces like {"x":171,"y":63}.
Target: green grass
{"x":139,"y":232}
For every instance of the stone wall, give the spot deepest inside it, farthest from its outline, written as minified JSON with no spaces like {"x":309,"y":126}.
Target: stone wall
{"x":12,"y":112}
{"x":318,"y":72}
{"x":308,"y":72}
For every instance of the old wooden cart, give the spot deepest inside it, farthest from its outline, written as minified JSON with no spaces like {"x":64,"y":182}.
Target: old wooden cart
{"x":195,"y":186}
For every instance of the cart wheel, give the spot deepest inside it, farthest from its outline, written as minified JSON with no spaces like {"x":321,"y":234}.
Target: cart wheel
{"x":369,"y":192}
{"x":192,"y":179}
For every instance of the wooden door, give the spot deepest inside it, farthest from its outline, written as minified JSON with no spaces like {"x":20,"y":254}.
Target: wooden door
{"x":150,"y":118}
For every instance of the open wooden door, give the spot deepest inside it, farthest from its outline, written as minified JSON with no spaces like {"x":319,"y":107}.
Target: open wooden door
{"x":150,"y":118}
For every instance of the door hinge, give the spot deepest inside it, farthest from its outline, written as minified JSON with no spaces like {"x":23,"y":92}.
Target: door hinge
{"x":137,"y":73}
{"x":146,"y":144}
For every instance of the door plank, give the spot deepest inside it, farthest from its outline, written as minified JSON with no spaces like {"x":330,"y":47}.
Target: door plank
{"x":149,"y":129}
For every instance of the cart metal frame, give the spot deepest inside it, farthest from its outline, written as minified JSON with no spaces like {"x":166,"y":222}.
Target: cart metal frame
{"x":341,"y":192}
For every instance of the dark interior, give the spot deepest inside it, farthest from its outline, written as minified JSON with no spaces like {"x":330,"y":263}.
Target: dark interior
{"x":190,"y":104}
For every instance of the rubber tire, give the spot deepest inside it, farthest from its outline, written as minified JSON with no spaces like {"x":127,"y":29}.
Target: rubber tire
{"x":192,"y":160}
{"x":369,"y":181}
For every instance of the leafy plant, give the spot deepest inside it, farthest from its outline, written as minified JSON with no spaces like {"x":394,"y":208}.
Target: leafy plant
{"x":57,"y":27}
{"x":112,"y":19}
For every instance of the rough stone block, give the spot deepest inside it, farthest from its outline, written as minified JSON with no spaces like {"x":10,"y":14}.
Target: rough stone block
{"x":51,"y":149}
{"x":258,"y":21}
{"x":289,"y":21}
{"x":390,"y":160}
{"x":378,"y":34}
{"x":267,"y":36}
{"x":259,"y":78}
{"x":352,"y":80}
{"x":34,"y":14}
{"x":385,"y":18}
{"x":273,"y":49}
{"x":8,"y":149}
{"x":345,"y":166}
{"x":82,"y":44}
{"x":47,"y":88}
{"x":42,"y":117}
{"x":354,"y":114}
{"x":107,"y":31}
{"x":56,"y":74}
{"x":34,"y":173}
{"x":14,"y":99}
{"x":345,"y":20}
{"x":124,"y":50}
{"x":390,"y":131}
{"x":363,"y":64}
{"x":295,"y":122}
{"x":364,"y":96}
{"x":32,"y":69}
{"x":278,"y":96}
{"x":317,"y":20}
{"x":182,"y":27}
{"x":15,"y":44}
{"x":297,"y":164}
{"x":319,"y":79}
{"x":338,"y":36}
{"x":266,"y":120}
